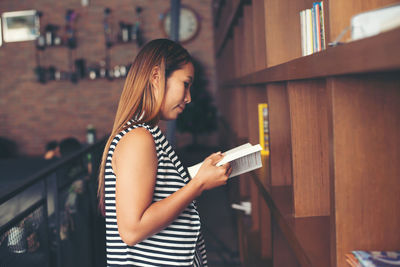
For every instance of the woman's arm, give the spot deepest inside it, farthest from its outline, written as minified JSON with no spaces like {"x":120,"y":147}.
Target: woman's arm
{"x":135,"y":165}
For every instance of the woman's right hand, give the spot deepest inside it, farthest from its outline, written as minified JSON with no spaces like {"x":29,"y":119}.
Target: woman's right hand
{"x":212,"y":176}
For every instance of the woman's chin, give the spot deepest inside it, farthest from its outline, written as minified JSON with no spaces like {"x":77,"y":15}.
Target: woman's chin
{"x":170,"y":117}
{"x":171,"y":114}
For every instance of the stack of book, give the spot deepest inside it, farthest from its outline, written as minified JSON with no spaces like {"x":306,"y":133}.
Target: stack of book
{"x":361,"y":258}
{"x":312,"y":29}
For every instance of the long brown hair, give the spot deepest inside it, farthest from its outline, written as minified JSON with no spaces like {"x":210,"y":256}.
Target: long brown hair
{"x":138,"y":99}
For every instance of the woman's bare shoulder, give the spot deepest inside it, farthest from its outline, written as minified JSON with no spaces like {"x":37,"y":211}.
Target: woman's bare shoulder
{"x":137,"y":138}
{"x":136,"y":146}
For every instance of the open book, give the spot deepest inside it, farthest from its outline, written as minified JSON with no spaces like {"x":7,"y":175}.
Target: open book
{"x":243,"y":159}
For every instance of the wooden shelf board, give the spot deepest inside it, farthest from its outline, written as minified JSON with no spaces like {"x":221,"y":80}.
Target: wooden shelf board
{"x":374,"y":54}
{"x":309,"y":236}
{"x":226,"y":28}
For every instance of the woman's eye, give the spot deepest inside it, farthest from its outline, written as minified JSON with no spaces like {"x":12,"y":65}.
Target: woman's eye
{"x":186,"y":84}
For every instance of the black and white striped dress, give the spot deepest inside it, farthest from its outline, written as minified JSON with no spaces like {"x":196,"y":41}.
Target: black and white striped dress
{"x":180,"y":243}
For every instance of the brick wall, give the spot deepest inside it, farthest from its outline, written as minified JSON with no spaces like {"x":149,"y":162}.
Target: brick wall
{"x":33,"y":114}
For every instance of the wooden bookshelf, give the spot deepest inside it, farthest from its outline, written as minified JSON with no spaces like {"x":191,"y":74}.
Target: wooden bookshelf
{"x":330,"y":184}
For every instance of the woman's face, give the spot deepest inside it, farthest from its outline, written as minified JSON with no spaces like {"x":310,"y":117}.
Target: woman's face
{"x":177,"y":92}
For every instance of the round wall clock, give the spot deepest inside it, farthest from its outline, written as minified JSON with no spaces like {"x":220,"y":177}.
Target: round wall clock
{"x":189,"y":24}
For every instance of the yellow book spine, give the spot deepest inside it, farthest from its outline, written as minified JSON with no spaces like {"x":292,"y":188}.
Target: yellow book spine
{"x":263,"y":128}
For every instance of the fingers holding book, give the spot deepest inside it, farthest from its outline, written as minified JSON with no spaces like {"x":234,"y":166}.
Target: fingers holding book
{"x":216,"y":158}
{"x":210,"y":174}
{"x":228,"y":169}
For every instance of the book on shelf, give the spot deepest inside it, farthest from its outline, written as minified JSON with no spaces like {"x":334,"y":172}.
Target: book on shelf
{"x":322,"y":24}
{"x":373,"y":22}
{"x":263,"y":128}
{"x":361,"y":258}
{"x":312,"y":28}
{"x":243,"y":159}
{"x":317,"y":26}
{"x":303,"y":32}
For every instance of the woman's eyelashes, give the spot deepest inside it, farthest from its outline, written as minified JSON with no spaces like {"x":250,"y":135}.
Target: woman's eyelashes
{"x":187,"y":85}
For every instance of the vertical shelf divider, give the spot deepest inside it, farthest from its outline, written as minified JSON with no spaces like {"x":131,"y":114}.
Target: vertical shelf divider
{"x":309,"y":121}
{"x":279,"y":131}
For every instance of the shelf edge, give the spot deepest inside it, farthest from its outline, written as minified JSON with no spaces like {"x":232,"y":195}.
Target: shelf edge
{"x":347,"y":59}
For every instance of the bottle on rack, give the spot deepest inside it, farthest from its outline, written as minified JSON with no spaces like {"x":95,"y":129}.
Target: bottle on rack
{"x":90,"y":134}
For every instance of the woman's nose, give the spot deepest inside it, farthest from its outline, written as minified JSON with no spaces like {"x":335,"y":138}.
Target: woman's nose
{"x":188,"y":97}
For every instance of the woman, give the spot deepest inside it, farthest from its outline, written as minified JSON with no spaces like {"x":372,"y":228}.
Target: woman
{"x":145,"y":193}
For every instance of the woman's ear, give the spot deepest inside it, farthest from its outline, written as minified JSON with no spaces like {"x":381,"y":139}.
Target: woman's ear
{"x":156,"y":80}
{"x":155,"y":77}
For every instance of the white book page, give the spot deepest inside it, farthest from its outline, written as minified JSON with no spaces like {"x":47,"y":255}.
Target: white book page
{"x":245,"y":150}
{"x":246,"y":164}
{"x":193,"y":170}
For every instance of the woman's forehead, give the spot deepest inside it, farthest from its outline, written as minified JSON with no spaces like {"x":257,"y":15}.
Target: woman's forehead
{"x":186,"y":70}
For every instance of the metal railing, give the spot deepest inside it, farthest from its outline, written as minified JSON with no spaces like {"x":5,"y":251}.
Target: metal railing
{"x":51,"y":218}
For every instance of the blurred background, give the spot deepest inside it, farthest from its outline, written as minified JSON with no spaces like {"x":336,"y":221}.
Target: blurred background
{"x":57,"y":88}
